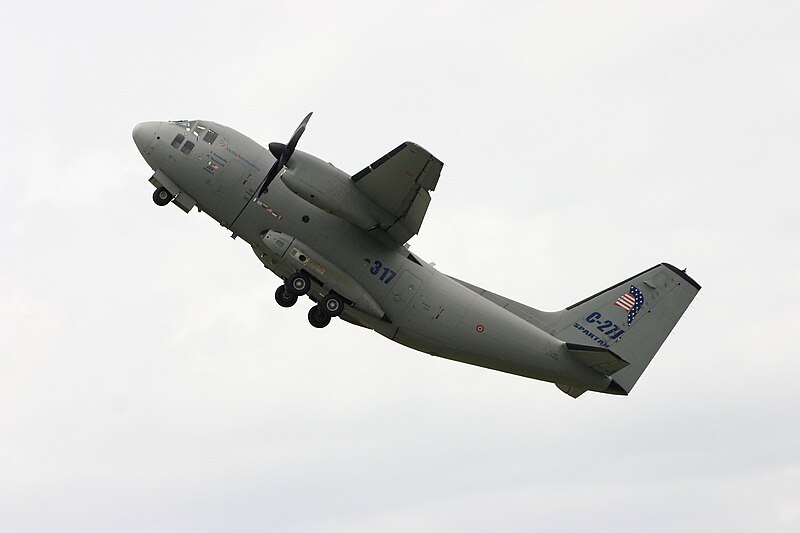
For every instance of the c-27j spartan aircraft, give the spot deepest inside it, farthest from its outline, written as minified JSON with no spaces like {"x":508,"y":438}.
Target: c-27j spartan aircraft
{"x":341,"y":240}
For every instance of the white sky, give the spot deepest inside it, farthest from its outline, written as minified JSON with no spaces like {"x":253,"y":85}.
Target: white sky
{"x":149,"y":382}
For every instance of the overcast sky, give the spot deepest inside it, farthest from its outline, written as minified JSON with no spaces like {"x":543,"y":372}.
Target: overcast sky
{"x":149,"y":382}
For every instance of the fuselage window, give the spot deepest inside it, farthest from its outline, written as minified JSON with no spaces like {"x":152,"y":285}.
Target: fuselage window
{"x":177,"y":140}
{"x":210,"y":137}
{"x":186,"y":148}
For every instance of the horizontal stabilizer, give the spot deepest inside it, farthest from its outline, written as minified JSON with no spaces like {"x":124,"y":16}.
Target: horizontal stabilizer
{"x":600,"y":359}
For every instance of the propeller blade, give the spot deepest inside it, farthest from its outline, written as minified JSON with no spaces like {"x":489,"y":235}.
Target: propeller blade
{"x":297,"y":133}
{"x":282,"y":153}
{"x":273,"y":171}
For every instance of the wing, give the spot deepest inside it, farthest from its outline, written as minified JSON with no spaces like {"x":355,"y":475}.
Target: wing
{"x":400,"y":183}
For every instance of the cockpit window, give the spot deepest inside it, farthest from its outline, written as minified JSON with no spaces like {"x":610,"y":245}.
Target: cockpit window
{"x":199,"y":130}
{"x":210,"y":136}
{"x":177,"y":140}
{"x":186,"y":148}
{"x":182,"y":123}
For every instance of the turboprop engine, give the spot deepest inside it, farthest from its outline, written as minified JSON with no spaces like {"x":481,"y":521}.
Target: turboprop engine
{"x":334,"y":193}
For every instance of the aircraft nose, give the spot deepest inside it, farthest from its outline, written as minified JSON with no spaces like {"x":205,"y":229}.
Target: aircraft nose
{"x":144,"y":134}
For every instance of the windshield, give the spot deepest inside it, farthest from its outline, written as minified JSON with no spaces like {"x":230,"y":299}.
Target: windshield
{"x":198,"y":130}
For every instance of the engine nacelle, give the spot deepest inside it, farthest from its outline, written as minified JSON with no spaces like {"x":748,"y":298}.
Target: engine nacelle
{"x":334,"y":192}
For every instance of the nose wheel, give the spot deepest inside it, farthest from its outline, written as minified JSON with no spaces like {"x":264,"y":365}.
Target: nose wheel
{"x":162,"y":196}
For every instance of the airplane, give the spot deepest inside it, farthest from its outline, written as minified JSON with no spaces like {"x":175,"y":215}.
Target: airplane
{"x":342,"y":240}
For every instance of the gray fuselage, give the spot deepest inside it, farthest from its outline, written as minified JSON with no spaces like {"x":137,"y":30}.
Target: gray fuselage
{"x":420,"y":307}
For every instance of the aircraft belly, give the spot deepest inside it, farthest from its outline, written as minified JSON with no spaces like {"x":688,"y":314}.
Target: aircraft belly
{"x":449,"y":321}
{"x":425,"y":309}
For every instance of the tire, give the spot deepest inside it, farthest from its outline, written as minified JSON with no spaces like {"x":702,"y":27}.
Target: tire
{"x":298,"y":284}
{"x":332,"y":304}
{"x":162,"y":196}
{"x":284,"y":298}
{"x":317,"y":318}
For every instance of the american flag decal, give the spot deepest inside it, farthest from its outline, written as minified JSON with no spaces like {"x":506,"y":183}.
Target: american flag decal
{"x":631,"y":302}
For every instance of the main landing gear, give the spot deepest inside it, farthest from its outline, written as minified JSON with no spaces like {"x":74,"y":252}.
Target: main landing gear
{"x":295,"y":286}
{"x":299,"y":284}
{"x":330,"y":306}
{"x":318,"y":317}
{"x":284,"y":297}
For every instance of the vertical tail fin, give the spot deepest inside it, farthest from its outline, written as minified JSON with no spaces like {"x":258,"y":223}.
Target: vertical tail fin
{"x":631,"y":319}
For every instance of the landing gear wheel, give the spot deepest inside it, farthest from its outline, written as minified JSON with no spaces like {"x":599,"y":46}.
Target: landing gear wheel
{"x":298,"y":284}
{"x":285,"y":298}
{"x":162,"y":196}
{"x":332,"y":304}
{"x":318,"y":318}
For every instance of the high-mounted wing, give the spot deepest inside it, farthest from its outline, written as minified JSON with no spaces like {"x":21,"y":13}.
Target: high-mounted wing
{"x":399,"y":183}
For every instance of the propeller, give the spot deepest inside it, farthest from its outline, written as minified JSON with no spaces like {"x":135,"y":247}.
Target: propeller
{"x":282,"y":153}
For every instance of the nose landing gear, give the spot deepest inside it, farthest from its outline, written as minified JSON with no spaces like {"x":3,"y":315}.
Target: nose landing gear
{"x":162,"y":196}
